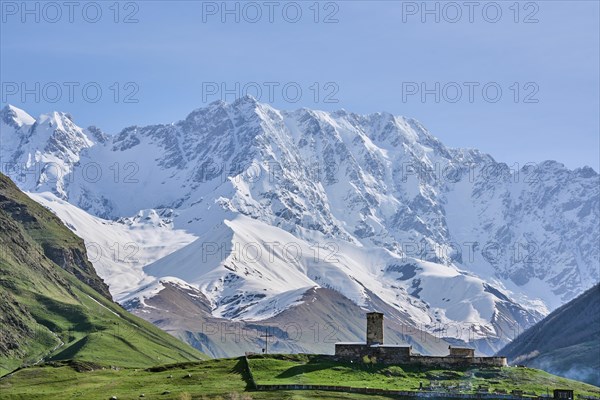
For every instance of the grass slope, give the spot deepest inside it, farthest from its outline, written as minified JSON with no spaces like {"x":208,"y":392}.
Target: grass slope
{"x":322,"y":370}
{"x":228,"y":379}
{"x":211,"y":379}
{"x":48,"y":310}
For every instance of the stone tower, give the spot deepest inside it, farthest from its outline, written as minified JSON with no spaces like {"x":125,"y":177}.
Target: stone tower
{"x":374,"y":328}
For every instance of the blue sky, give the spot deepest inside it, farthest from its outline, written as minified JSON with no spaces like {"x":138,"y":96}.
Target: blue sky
{"x":378,"y":56}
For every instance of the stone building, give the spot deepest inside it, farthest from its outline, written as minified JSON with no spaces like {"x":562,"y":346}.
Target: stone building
{"x":376,"y":351}
{"x":461,"y":352}
{"x":374,"y":347}
{"x":564,"y":394}
{"x":374,"y":328}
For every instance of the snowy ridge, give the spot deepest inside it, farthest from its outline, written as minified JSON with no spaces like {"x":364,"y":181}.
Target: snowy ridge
{"x":119,"y":249}
{"x":153,"y":288}
{"x":443,"y":235}
{"x":41,"y":153}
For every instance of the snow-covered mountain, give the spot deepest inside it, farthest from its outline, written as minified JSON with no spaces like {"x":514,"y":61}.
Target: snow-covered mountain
{"x":255,"y":207}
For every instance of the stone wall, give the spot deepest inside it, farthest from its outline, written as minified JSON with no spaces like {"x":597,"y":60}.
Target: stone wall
{"x":379,"y":354}
{"x":399,"y":393}
{"x":402,"y":355}
{"x":349,"y":351}
{"x":461,"y":361}
{"x":461,"y":352}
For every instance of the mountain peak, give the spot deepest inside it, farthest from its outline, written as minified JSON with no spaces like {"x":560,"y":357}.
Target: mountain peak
{"x":237,"y":103}
{"x":16,"y":117}
{"x":246,"y":99}
{"x":56,"y":119}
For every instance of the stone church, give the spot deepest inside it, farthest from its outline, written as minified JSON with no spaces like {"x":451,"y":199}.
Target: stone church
{"x":377,"y":351}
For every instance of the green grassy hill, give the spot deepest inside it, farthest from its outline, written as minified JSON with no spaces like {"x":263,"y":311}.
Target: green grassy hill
{"x":212,"y":379}
{"x":53,"y":306}
{"x":323,"y":370}
{"x":229,"y":379}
